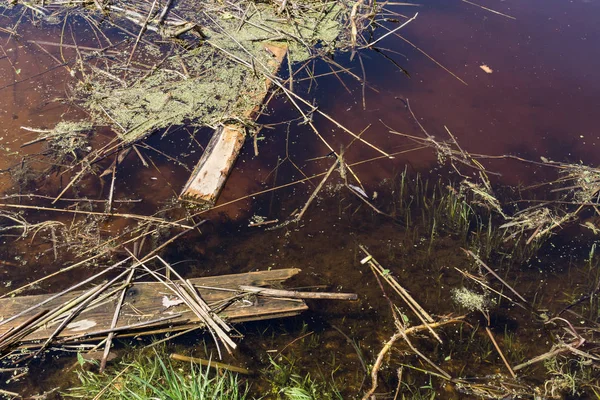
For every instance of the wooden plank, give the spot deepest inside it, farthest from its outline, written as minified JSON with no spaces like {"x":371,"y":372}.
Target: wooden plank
{"x":215,"y":165}
{"x":146,"y":302}
{"x":217,"y":161}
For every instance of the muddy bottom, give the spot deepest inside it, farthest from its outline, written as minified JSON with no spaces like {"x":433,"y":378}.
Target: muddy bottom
{"x":337,"y":343}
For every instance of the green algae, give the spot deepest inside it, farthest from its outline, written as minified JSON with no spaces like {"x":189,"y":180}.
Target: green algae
{"x":220,"y":78}
{"x":67,"y":137}
{"x":160,"y":101}
{"x":200,"y":63}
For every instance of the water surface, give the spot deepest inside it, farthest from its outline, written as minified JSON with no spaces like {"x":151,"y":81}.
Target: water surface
{"x":537,"y":96}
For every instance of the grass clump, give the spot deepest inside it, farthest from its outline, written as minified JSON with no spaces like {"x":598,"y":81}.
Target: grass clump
{"x":153,"y":377}
{"x":288,"y":383}
{"x":570,"y":376}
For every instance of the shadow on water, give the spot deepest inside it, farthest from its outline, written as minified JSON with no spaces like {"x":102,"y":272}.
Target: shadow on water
{"x":535,"y":102}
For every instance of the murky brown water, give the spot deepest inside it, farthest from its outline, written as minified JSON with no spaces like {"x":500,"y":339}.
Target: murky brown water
{"x":538,"y":95}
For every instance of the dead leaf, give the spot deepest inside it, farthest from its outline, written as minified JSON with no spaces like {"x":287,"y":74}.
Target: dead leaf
{"x":486,"y":69}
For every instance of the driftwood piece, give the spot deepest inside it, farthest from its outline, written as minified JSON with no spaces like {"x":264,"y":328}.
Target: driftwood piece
{"x":217,"y":161}
{"x":148,"y":302}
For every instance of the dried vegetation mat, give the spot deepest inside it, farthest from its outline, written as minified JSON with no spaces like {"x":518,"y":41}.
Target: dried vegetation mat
{"x":154,"y":64}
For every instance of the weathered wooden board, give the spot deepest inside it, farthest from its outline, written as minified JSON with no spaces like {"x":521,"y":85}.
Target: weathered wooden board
{"x":215,"y":165}
{"x":145,"y":302}
{"x":217,"y":161}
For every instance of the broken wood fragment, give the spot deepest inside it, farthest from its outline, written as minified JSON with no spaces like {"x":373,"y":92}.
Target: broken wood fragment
{"x":293,"y":294}
{"x":215,"y":165}
{"x":217,"y":161}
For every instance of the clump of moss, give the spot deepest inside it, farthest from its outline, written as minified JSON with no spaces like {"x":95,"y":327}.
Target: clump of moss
{"x":218,"y":79}
{"x":69,"y":138}
{"x":470,"y":300}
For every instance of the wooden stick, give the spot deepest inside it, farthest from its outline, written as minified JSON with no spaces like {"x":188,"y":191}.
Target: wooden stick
{"x":297,"y":295}
{"x":132,"y":216}
{"x":113,"y":323}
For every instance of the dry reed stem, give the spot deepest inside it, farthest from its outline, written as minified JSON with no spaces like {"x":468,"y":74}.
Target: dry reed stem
{"x":115,"y":379}
{"x":491,"y":289}
{"x":142,"y":30}
{"x":114,"y":321}
{"x":157,"y":322}
{"x":81,"y":303}
{"x":489,"y":9}
{"x":52,"y":275}
{"x":315,"y":192}
{"x":55,"y":296}
{"x":429,"y":57}
{"x":173,"y":336}
{"x":558,"y":349}
{"x":389,"y":344}
{"x":109,"y":214}
{"x":393,"y":31}
{"x":491,"y":271}
{"x":194,"y":303}
{"x":491,"y":335}
{"x":423,"y":316}
{"x":210,"y":364}
{"x":295,"y":182}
